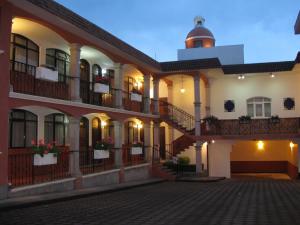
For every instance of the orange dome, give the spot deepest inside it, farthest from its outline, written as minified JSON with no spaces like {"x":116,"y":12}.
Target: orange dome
{"x":200,"y":36}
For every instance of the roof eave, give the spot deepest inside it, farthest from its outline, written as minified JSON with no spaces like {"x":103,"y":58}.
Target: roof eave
{"x":297,"y":25}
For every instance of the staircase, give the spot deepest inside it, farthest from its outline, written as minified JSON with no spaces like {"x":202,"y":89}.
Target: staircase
{"x":180,"y":120}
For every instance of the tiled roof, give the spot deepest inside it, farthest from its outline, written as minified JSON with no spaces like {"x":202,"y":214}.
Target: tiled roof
{"x":259,"y":67}
{"x":297,"y":25}
{"x":183,"y":65}
{"x":80,"y":22}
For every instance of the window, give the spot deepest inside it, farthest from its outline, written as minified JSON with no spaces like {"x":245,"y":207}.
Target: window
{"x":97,"y":71}
{"x":198,"y":44}
{"x":259,"y":107}
{"x":55,"y":128}
{"x":23,"y":128}
{"x":24,"y":54}
{"x":59,"y":60}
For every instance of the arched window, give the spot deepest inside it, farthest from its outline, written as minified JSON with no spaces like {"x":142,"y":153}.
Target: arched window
{"x":24,"y":54}
{"x":56,"y":128}
{"x":259,"y":107}
{"x":97,"y":71}
{"x":23,"y":128}
{"x":60,"y":60}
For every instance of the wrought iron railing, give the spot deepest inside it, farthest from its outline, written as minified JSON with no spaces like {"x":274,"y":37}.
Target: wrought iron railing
{"x":252,"y":127}
{"x":130,"y":104}
{"x":176,"y":115}
{"x":91,"y":164}
{"x":22,"y":171}
{"x":23,"y":80}
{"x":130,"y":158}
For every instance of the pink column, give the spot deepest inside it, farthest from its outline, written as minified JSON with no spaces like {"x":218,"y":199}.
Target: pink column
{"x":75,"y":50}
{"x":156,"y":95}
{"x":5,"y":32}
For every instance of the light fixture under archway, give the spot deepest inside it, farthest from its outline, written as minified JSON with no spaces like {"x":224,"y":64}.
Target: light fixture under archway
{"x":182,"y":89}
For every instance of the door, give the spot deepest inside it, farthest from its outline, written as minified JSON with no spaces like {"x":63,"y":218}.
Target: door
{"x":96,"y":131}
{"x":162,"y":142}
{"x":84,"y":81}
{"x":84,"y":134}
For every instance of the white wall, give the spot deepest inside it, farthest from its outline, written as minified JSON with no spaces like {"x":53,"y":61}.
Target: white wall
{"x":219,"y":158}
{"x":191,"y":153}
{"x":228,"y":87}
{"x":229,"y":54}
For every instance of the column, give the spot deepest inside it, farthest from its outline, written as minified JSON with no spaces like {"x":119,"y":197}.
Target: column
{"x":207,"y":97}
{"x":5,"y":32}
{"x":156,"y":95}
{"x":197,"y":105}
{"x":74,"y":136}
{"x":170,"y":100}
{"x":146,"y":93}
{"x":118,"y":141}
{"x":147,"y":141}
{"x":118,"y":85}
{"x":75,"y":50}
{"x":41,"y":127}
{"x":156,"y":139}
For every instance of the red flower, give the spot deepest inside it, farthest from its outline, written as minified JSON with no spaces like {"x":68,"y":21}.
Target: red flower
{"x":46,"y":152}
{"x":33,"y":142}
{"x":49,"y":146}
{"x":41,"y":142}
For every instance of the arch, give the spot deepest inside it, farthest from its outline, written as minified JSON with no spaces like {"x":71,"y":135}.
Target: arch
{"x":22,"y":128}
{"x":24,"y":54}
{"x":96,"y":71}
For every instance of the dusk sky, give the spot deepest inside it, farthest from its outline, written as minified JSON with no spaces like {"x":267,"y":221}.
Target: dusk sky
{"x":159,"y":27}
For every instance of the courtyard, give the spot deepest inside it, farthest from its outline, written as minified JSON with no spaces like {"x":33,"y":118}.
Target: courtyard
{"x":235,"y":201}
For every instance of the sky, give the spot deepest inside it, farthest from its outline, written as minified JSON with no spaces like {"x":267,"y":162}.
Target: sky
{"x":159,"y":27}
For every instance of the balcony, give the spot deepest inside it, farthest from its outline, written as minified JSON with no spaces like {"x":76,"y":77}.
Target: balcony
{"x":132,"y":104}
{"x":282,"y":127}
{"x":23,"y":80}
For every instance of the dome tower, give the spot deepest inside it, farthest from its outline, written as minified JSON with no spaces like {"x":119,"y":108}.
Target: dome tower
{"x":200,"y":36}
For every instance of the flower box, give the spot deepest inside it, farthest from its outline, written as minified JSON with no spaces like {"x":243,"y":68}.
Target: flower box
{"x":46,"y":74}
{"x":136,"y":150}
{"x":136,"y":97}
{"x":101,"y":88}
{"x":101,"y":154}
{"x":46,"y":159}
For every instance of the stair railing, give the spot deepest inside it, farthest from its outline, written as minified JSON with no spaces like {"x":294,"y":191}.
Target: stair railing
{"x":177,"y":115}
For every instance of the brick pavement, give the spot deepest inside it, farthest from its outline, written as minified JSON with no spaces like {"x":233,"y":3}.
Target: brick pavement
{"x":238,"y":201}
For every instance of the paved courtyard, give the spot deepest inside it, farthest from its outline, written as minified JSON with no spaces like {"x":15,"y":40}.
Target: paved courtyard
{"x":239,"y":201}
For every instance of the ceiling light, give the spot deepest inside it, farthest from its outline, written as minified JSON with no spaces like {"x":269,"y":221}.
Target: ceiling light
{"x":241,"y":77}
{"x":272,"y":75}
{"x":292,"y":145}
{"x":260,"y":145}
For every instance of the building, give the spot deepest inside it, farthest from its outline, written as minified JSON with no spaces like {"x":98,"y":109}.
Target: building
{"x":72,"y":84}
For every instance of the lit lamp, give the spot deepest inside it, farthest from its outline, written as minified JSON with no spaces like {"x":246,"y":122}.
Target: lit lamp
{"x":260,"y":145}
{"x":103,"y":124}
{"x":182,"y":89}
{"x":138,"y":125}
{"x":292,"y":145}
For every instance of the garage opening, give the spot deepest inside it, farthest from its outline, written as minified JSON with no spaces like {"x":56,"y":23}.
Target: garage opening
{"x":276,"y":159}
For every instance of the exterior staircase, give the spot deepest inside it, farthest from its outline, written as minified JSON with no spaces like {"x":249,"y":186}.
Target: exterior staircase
{"x":183,"y":122}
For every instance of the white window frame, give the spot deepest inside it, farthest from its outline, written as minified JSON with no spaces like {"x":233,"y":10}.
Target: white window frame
{"x":259,"y":100}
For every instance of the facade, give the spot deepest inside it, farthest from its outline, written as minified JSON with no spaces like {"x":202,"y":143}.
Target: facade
{"x":70,"y":84}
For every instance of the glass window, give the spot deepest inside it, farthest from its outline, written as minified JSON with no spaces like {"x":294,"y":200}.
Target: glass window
{"x":198,"y":44}
{"x":259,"y":107}
{"x":24,"y":54}
{"x":55,"y":128}
{"x":23,"y":128}
{"x":59,"y":60}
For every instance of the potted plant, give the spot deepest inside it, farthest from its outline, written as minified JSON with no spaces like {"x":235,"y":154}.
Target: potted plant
{"x":137,"y":148}
{"x":44,"y":154}
{"x":101,"y":85}
{"x":136,"y":95}
{"x":101,"y":148}
{"x":274,"y":119}
{"x":245,"y":119}
{"x":210,"y":121}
